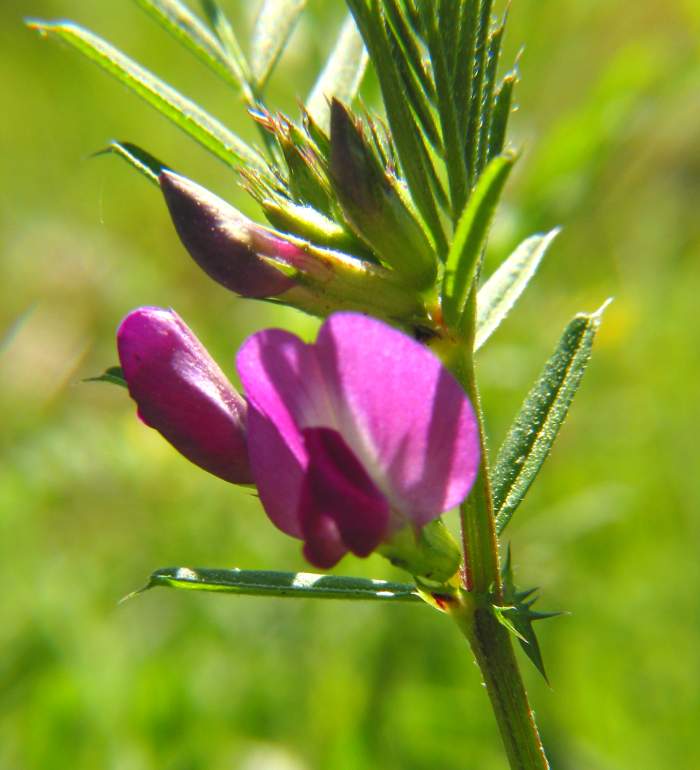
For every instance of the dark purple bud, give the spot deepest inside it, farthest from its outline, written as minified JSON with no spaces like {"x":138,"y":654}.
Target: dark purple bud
{"x":182,"y":393}
{"x":228,"y":246}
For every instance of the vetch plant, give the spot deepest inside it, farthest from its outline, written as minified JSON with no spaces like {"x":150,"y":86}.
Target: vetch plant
{"x":378,"y":223}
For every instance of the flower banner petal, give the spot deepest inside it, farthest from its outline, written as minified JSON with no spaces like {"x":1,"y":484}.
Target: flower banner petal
{"x":403,"y":414}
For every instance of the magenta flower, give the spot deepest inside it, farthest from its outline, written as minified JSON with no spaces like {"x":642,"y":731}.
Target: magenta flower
{"x":182,"y":393}
{"x":356,"y":436}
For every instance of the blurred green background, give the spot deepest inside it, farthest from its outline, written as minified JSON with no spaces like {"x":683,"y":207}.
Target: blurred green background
{"x":91,"y":501}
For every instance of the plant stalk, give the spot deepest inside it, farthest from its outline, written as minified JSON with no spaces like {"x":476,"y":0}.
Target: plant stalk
{"x":492,"y":647}
{"x":489,"y":640}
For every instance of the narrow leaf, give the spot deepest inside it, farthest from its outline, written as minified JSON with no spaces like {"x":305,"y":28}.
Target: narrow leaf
{"x":451,"y":133}
{"x":477,"y":86}
{"x":470,"y":236}
{"x":487,"y":99}
{"x":541,"y":416}
{"x":282,"y":584}
{"x":273,"y":27}
{"x":411,"y":52}
{"x":464,"y":67}
{"x":342,"y":75}
{"x":175,"y":17}
{"x":114,"y":375}
{"x":227,"y":38}
{"x":416,"y":94}
{"x":415,"y":161}
{"x":503,"y":105}
{"x":208,"y":131}
{"x":142,"y":161}
{"x":502,"y":290}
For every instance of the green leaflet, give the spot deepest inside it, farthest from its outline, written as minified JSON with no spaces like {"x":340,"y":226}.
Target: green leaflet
{"x":273,"y":26}
{"x":487,"y":97}
{"x":208,"y":131}
{"x":476,"y":110}
{"x":541,"y":416}
{"x":142,"y":161}
{"x":281,"y":584}
{"x":502,"y":106}
{"x":498,"y":295}
{"x":470,"y":237}
{"x":175,"y":17}
{"x":223,"y":29}
{"x":452,"y":138}
{"x":409,"y":139}
{"x":342,"y":75}
{"x":113,"y":375}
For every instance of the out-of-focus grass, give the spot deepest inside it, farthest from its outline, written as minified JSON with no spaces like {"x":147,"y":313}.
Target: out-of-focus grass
{"x":91,"y":501}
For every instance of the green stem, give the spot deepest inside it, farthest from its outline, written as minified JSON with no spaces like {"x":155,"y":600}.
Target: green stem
{"x":493,"y":650}
{"x":489,"y":640}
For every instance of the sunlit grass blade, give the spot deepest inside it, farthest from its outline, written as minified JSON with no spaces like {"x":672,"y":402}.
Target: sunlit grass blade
{"x":273,"y":27}
{"x":223,"y":29}
{"x":502,"y":290}
{"x":470,"y":237}
{"x":502,"y":107}
{"x":198,"y":124}
{"x":302,"y":585}
{"x":342,"y":75}
{"x":142,"y":161}
{"x":185,"y":26}
{"x":541,"y":416}
{"x":415,"y":161}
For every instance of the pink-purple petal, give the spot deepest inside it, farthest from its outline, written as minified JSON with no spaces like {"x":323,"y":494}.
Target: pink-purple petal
{"x":182,"y":393}
{"x":278,"y":470}
{"x":336,"y":486}
{"x":354,"y":436}
{"x":404,"y":415}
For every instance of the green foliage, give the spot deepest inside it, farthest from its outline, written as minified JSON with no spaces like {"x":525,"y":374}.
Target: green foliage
{"x":113,"y":375}
{"x":518,"y":616}
{"x":142,"y":161}
{"x":541,"y":417}
{"x":466,"y":250}
{"x":275,"y":23}
{"x":186,"y":27}
{"x":202,"y":127}
{"x":502,"y":290}
{"x":299,"y":585}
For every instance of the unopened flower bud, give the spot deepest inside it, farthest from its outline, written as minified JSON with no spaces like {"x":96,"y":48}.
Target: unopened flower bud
{"x":182,"y":393}
{"x":228,"y":246}
{"x":257,"y":262}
